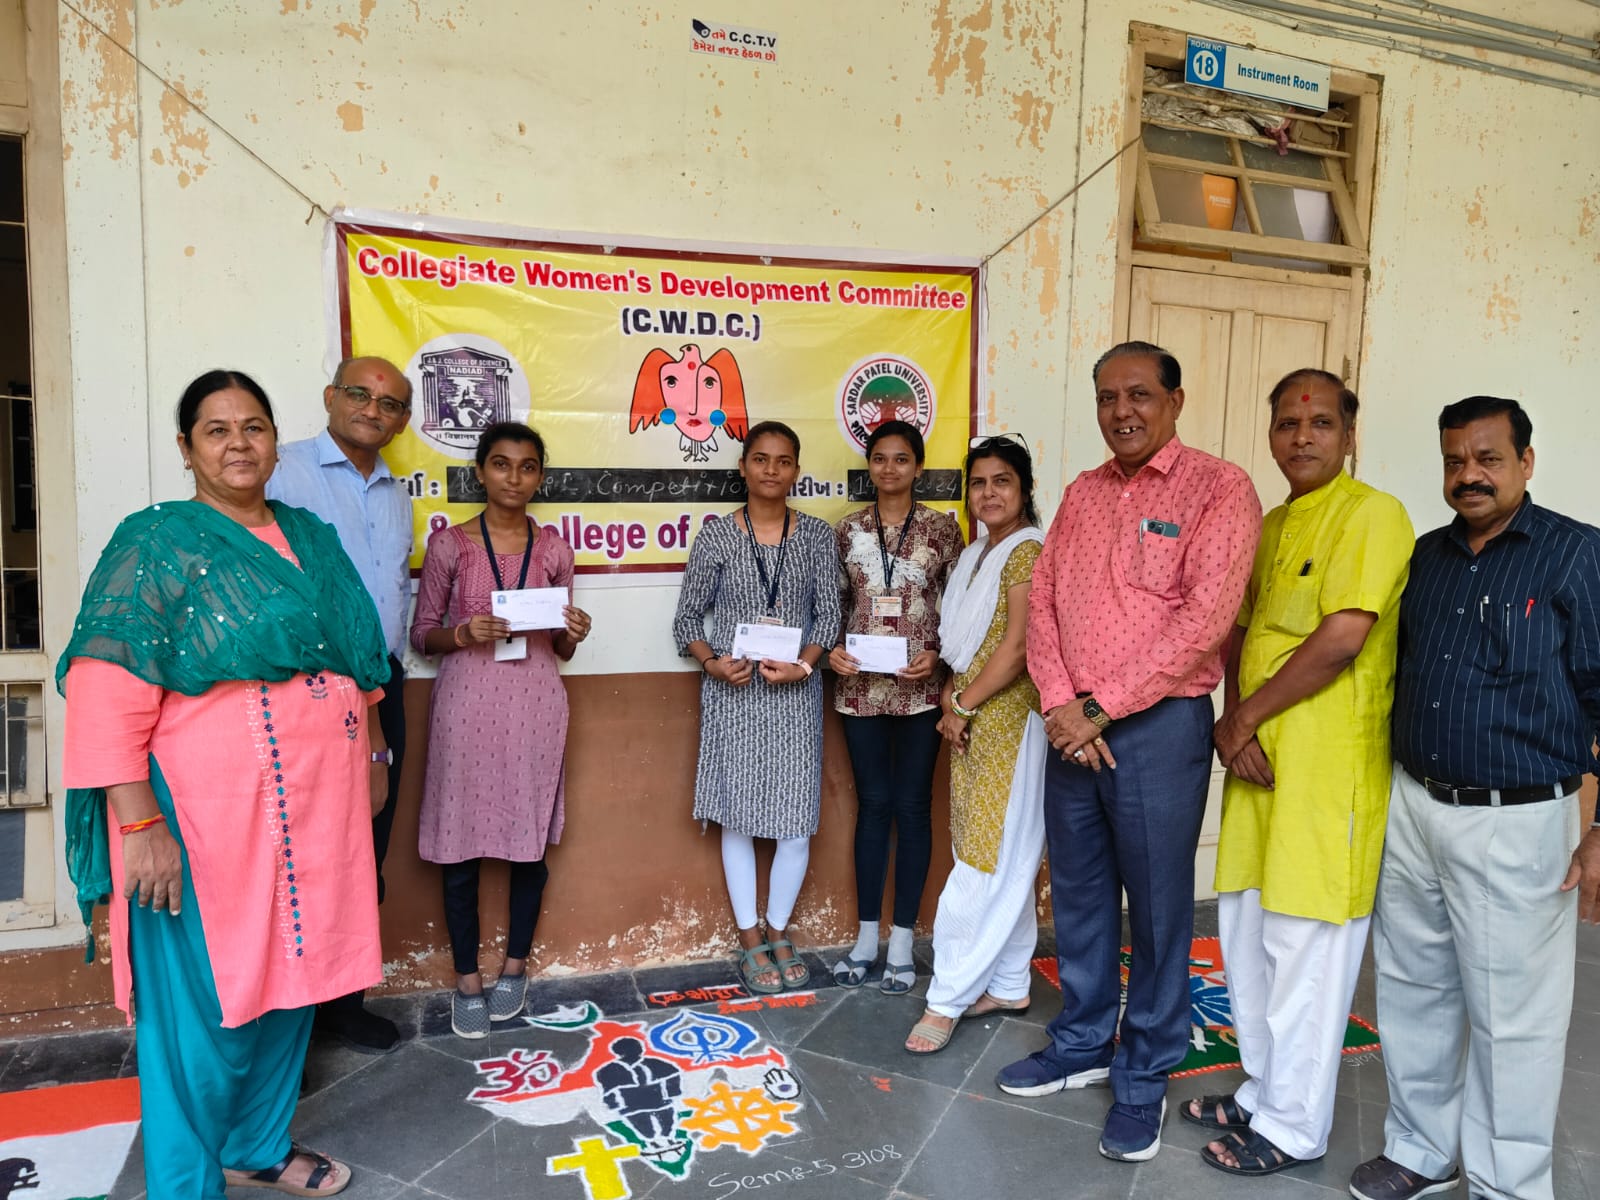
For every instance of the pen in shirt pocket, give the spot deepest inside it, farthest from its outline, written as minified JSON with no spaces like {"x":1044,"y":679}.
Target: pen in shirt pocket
{"x":1305,"y":570}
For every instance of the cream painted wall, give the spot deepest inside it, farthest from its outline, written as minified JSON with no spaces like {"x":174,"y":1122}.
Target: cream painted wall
{"x":937,"y":127}
{"x":940,"y":126}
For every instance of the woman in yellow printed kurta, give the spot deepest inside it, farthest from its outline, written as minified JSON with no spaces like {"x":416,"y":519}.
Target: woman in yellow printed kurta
{"x":985,"y":930}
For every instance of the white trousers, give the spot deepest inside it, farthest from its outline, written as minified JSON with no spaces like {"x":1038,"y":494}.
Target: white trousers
{"x":986,"y":928}
{"x":1475,"y":945}
{"x":1290,"y":981}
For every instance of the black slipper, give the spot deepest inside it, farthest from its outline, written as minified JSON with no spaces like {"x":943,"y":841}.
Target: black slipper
{"x":1255,"y":1155}
{"x":1233,"y":1116}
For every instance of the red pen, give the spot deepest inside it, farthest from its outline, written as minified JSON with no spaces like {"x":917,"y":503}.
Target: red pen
{"x":1528,"y":612}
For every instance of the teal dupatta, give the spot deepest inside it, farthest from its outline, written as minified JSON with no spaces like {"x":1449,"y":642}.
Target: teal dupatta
{"x":186,"y":598}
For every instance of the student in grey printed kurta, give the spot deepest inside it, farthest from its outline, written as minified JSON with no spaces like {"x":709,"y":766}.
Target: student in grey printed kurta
{"x":760,"y":768}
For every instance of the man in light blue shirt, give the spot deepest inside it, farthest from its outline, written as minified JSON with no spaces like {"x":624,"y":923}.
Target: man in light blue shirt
{"x":341,"y":476}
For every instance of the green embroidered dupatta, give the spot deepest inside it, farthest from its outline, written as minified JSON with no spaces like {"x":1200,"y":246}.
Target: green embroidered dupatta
{"x":185,"y":598}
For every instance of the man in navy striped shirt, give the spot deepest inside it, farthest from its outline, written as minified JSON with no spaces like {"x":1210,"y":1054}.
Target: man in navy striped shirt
{"x":1497,"y":706}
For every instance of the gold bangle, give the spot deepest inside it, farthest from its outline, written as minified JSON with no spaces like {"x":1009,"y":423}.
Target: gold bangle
{"x":456,"y":637}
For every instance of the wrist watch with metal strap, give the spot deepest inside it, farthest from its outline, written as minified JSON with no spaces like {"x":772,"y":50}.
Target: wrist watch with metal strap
{"x":1092,"y":710}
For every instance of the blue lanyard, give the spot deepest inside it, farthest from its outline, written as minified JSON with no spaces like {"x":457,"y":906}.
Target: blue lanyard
{"x":494,"y":562}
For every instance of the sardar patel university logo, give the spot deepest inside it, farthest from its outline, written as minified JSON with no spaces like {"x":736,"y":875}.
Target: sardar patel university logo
{"x":884,"y":387}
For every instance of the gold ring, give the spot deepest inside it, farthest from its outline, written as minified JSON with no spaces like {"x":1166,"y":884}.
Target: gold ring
{"x":1099,"y":741}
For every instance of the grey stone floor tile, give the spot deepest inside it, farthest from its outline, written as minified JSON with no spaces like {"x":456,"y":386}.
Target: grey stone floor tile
{"x":404,"y":1010}
{"x":328,"y":1062}
{"x":1013,"y":1040}
{"x":787,"y":1026}
{"x":1588,"y":943}
{"x":401,"y":1120}
{"x":716,"y":972}
{"x":870,"y":1029}
{"x":1583,"y":1046}
{"x":68,"y":1058}
{"x":1586,"y":991}
{"x":365,"y":1184}
{"x":1178,"y":1171}
{"x":1570,"y":1180}
{"x":1043,"y":1158}
{"x":857,"y":1123}
{"x":1361,"y":1076}
{"x":614,"y":992}
{"x":1576,"y":1127}
{"x":1587,"y":1167}
{"x":505,"y":1159}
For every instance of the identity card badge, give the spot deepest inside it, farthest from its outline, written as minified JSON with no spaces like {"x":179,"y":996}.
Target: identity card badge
{"x":886,"y":608}
{"x":510,"y":649}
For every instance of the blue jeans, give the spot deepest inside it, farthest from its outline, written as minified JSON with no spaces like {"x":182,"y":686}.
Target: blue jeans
{"x":893,"y":759}
{"x":1132,"y":829}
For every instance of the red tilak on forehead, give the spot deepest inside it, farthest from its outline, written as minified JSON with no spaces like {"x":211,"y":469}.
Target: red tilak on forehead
{"x":1305,"y":397}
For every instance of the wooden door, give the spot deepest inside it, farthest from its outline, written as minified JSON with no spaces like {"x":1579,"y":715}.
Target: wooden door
{"x":1236,"y":338}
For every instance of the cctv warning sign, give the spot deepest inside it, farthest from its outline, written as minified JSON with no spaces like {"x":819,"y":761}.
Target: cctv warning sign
{"x":733,"y":41}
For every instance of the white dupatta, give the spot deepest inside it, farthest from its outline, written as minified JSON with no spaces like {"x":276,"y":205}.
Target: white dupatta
{"x":970,"y":599}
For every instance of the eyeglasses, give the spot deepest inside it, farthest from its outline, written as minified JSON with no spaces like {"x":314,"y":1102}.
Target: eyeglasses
{"x":984,"y":441}
{"x":360,"y":397}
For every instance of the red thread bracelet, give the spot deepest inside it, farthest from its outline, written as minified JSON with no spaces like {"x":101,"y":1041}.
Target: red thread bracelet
{"x":136,"y":826}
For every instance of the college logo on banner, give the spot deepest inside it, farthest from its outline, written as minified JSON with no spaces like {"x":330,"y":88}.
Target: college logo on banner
{"x":644,"y":369}
{"x":885,"y":387}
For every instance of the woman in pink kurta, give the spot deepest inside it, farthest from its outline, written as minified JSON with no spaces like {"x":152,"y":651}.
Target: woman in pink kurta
{"x":498,"y":731}
{"x":222,"y":765}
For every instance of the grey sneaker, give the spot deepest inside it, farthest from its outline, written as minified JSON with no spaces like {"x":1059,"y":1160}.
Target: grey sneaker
{"x":469,"y":1015}
{"x":507,"y":997}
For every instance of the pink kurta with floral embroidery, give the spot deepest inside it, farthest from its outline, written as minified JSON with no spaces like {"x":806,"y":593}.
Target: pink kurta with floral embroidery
{"x":270,"y":786}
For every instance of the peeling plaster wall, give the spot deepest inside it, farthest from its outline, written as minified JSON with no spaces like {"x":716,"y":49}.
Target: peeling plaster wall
{"x":942,"y":126}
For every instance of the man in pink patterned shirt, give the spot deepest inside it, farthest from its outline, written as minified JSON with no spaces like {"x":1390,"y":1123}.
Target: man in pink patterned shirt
{"x":1133,"y":599}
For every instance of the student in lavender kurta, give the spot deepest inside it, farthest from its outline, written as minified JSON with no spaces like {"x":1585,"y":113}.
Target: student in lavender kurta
{"x":221,"y":684}
{"x":498,"y":732}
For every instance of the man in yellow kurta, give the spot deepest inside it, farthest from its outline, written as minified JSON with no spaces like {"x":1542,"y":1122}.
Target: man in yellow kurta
{"x":1305,"y":737}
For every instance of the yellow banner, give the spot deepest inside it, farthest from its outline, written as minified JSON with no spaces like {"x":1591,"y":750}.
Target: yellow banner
{"x":642,"y":369}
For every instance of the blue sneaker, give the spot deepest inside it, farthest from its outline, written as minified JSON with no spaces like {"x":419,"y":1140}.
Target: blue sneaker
{"x":1133,"y":1131}
{"x":1040,"y":1075}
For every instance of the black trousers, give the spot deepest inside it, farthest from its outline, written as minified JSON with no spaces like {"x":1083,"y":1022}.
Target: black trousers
{"x":392,"y":721}
{"x":461,"y":909}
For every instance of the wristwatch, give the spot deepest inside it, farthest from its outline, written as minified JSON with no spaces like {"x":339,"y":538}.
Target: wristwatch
{"x":1092,"y":710}
{"x":386,"y":757}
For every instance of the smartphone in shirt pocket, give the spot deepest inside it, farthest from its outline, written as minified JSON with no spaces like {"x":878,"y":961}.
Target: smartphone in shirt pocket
{"x":1154,"y":561}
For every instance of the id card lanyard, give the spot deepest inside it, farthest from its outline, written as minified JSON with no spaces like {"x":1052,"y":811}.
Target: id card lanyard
{"x":769,"y":585}
{"x":889,"y":561}
{"x":511,"y":645}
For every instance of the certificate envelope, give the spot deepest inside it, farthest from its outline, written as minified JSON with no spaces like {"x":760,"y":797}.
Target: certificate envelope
{"x":531,"y":608}
{"x":780,"y":643}
{"x":883,"y":655}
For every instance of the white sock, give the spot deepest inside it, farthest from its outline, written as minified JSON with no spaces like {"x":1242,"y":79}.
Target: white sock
{"x":866,"y":947}
{"x":900,"y":939}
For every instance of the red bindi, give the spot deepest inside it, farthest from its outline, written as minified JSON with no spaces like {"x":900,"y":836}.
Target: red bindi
{"x":1305,"y":397}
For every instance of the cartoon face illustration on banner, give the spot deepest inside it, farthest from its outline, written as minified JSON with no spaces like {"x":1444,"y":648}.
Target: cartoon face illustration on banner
{"x":464,"y":383}
{"x":696,"y":396}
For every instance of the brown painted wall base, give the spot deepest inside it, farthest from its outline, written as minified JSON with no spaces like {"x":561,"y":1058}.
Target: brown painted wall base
{"x":634,"y":881}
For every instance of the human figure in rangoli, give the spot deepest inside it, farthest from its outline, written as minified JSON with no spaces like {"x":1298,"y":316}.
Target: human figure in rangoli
{"x":643,"y":1090}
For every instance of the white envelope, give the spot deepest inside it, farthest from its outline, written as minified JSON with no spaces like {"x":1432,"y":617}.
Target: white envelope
{"x":780,"y":643}
{"x":881,"y":655}
{"x":531,"y":608}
